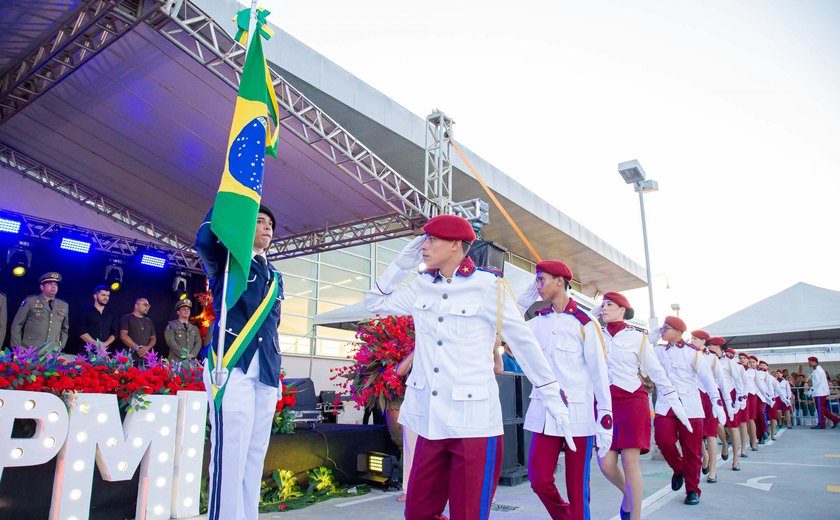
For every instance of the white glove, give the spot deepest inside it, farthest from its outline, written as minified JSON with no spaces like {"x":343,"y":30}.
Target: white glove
{"x":555,"y":404}
{"x":654,"y":336}
{"x":604,"y":432}
{"x":676,"y":405}
{"x":717,"y":410}
{"x":530,"y":295}
{"x":411,"y":255}
{"x":597,"y":312}
{"x":742,"y":401}
{"x":787,"y":402}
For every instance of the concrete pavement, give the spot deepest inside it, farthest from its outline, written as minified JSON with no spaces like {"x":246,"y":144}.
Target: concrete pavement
{"x":798,"y":474}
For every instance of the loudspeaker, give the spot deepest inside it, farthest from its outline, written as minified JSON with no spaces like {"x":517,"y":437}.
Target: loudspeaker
{"x":305,"y":398}
{"x":488,"y":255}
{"x":508,"y":395}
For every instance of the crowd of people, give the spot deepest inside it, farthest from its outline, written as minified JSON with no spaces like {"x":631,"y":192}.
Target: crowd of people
{"x":591,"y":374}
{"x":42,"y":322}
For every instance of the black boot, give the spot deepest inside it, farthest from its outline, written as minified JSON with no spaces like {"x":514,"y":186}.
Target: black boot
{"x":676,"y":482}
{"x":692,"y":498}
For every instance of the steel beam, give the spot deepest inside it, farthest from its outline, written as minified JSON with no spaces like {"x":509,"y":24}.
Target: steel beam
{"x":438,"y":172}
{"x":92,"y":27}
{"x":91,"y":199}
{"x":40,"y":228}
{"x":207,"y":42}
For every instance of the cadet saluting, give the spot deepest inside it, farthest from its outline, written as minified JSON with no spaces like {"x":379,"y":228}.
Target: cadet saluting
{"x":41,"y":321}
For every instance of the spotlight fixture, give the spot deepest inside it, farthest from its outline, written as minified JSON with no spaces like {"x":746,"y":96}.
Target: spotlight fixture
{"x":75,"y":245}
{"x":114,"y":275}
{"x":8,"y":225}
{"x":19,"y":258}
{"x":377,"y":468}
{"x":156,"y":260}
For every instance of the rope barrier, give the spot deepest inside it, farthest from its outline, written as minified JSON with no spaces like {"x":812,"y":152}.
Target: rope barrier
{"x":497,"y":203}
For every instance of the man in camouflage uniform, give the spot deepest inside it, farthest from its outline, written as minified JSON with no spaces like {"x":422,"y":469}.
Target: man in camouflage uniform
{"x":42,"y":320}
{"x":182,"y":337}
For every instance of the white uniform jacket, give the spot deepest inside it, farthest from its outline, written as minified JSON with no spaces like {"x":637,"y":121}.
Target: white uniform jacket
{"x":819,"y":382}
{"x":689,"y":373}
{"x":749,"y":380}
{"x":763,"y":386}
{"x":725,"y":385}
{"x":574,"y":347}
{"x":734,"y":375}
{"x":628,"y":353}
{"x":785,"y":384}
{"x":452,"y":391}
{"x":776,"y":387}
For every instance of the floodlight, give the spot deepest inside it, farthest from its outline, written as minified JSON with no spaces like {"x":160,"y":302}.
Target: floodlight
{"x":631,"y":171}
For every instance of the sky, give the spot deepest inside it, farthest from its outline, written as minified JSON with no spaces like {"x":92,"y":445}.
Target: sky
{"x":732,"y":107}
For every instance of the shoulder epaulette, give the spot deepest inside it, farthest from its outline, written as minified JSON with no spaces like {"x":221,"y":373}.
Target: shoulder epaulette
{"x":490,"y":270}
{"x":581,"y":316}
{"x":695,"y":348}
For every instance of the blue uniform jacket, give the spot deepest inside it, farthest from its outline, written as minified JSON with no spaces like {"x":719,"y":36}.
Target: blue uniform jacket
{"x":214,"y":255}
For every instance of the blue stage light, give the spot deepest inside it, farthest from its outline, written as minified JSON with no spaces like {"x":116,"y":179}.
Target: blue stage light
{"x":9,"y":226}
{"x":153,"y":261}
{"x":72,"y":244}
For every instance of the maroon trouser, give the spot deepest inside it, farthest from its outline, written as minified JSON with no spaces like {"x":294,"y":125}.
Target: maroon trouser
{"x":824,"y":412}
{"x":542,"y":461}
{"x":760,"y":420}
{"x":667,"y":431}
{"x":463,"y":471}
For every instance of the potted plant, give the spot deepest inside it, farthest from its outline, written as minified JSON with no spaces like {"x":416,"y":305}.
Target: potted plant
{"x":372,"y":380}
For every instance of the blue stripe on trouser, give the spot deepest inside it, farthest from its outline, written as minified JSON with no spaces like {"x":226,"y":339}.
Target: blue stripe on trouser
{"x":489,"y":471}
{"x":818,"y":404}
{"x":216,"y":485}
{"x":586,"y":478}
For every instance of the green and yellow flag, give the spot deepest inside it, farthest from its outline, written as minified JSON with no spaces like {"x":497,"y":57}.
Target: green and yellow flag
{"x":238,"y":200}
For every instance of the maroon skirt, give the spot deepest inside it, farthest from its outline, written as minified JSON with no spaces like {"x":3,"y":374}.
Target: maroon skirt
{"x":710,"y":422}
{"x":733,"y":423}
{"x":632,"y":423}
{"x":777,"y":407}
{"x":752,"y":406}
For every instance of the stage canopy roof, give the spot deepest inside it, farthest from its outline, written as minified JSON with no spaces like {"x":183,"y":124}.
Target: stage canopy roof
{"x":800,"y":315}
{"x":129,"y":104}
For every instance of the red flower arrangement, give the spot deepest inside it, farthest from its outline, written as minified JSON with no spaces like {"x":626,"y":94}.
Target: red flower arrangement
{"x":372,"y":380}
{"x":204,"y":320}
{"x":284,"y":418}
{"x":96,"y":371}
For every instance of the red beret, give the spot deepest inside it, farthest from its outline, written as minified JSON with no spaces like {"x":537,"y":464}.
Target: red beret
{"x":753,"y":357}
{"x":450,"y":227}
{"x":676,"y":323}
{"x":814,"y":359}
{"x":762,"y":362}
{"x":621,"y":301}
{"x":555,"y":268}
{"x":719,"y":342}
{"x":744,"y":354}
{"x":729,"y":351}
{"x":702,"y":334}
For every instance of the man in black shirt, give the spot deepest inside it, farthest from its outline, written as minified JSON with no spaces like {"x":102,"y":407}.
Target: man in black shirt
{"x":97,"y":325}
{"x":137,"y":332}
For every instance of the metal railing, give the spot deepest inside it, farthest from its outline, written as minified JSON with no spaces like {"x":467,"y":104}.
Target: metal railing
{"x":804,"y":411}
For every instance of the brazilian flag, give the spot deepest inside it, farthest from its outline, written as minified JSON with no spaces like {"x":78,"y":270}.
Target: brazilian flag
{"x":237,"y":203}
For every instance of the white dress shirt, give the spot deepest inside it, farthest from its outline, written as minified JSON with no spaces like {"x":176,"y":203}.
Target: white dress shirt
{"x":819,"y":382}
{"x":628,"y":353}
{"x":689,"y":373}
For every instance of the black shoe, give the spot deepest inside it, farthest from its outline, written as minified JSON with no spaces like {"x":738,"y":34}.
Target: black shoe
{"x":711,"y":480}
{"x":760,"y":441}
{"x":753,"y":449}
{"x":676,"y":482}
{"x":692,"y":498}
{"x":705,"y":470}
{"x":744,"y":456}
{"x":623,"y":515}
{"x":725,"y":457}
{"x":736,"y":468}
{"x":817,"y":427}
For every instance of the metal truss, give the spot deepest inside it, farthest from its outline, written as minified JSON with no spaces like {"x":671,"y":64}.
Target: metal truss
{"x":345,"y":235}
{"x":438,"y":173}
{"x":36,"y":227}
{"x":474,"y":210}
{"x":92,"y":27}
{"x":207,"y":42}
{"x":89,"y":198}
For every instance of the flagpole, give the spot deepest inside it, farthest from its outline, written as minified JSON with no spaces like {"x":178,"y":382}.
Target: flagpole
{"x":219,"y":373}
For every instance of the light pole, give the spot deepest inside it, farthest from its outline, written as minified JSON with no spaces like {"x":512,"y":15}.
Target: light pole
{"x":676,"y":308}
{"x":632,"y":173}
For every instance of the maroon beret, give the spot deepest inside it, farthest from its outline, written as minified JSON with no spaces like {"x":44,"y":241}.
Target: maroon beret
{"x":701,"y":334}
{"x":753,"y":357}
{"x":814,"y":359}
{"x":450,"y":227}
{"x":744,"y":354}
{"x":676,"y":323}
{"x":621,"y":301}
{"x":719,"y":342}
{"x":762,"y":362}
{"x":555,"y":268}
{"x":730,"y":351}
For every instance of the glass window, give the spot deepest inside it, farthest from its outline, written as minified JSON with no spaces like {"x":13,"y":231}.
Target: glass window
{"x":522,"y":263}
{"x":302,"y":266}
{"x":338,"y":294}
{"x":294,"y":286}
{"x":346,"y":261}
{"x":295,"y":325}
{"x":298,"y":305}
{"x":295,"y":344}
{"x":343,"y":278}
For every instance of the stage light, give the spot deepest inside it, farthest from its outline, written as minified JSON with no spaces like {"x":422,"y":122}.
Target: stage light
{"x":113,"y":276}
{"x":158,"y":261}
{"x":72,"y":244}
{"x":19,"y":259}
{"x":8,"y":225}
{"x":378,"y":468}
{"x":180,"y":285}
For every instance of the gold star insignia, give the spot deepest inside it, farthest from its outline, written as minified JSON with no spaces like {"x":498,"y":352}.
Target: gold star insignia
{"x":465,"y":269}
